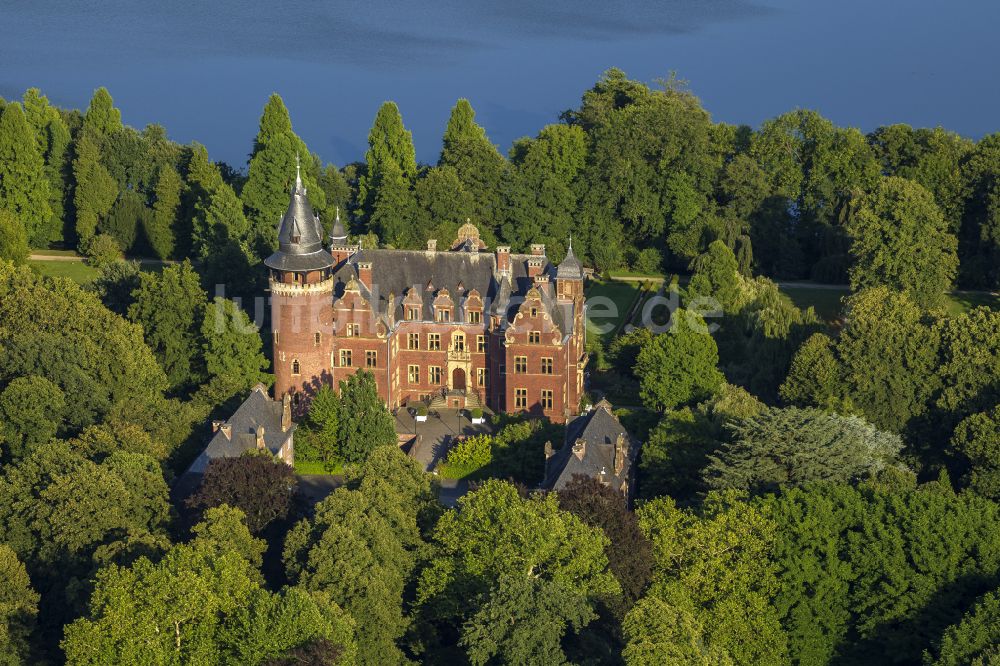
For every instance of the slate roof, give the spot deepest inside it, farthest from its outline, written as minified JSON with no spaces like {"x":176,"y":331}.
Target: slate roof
{"x":257,"y":410}
{"x":599,"y":429}
{"x":396,"y":272}
{"x":570,"y":268}
{"x":338,"y":236}
{"x":300,"y":236}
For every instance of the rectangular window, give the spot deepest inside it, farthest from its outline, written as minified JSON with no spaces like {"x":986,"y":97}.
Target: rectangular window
{"x":482,"y":376}
{"x":413,"y":341}
{"x":434,"y":374}
{"x":345,"y":358}
{"x":534,"y":337}
{"x":480,"y":343}
{"x":475,"y":317}
{"x":317,"y":338}
{"x":412,"y":313}
{"x":520,"y":398}
{"x":546,"y":366}
{"x":353,"y":330}
{"x":520,"y":365}
{"x":371,"y":359}
{"x":458,"y":341}
{"x":534,"y":312}
{"x":443,"y":314}
{"x":434,"y":342}
{"x":413,"y":374}
{"x":546,"y":399}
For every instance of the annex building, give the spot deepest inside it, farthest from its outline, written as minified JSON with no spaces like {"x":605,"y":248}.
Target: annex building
{"x":460,"y":326}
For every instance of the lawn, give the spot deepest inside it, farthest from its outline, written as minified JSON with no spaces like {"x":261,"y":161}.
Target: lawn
{"x":77,"y":271}
{"x":826,"y":301}
{"x":963,"y":301}
{"x":608,"y":302}
{"x":828,"y":305}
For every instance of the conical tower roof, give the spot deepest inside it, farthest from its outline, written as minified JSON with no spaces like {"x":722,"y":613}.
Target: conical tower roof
{"x":338,"y":236}
{"x":300,"y":239}
{"x":570,"y":268}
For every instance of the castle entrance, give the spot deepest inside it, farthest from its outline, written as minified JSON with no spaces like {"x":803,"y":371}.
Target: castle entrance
{"x":458,"y":379}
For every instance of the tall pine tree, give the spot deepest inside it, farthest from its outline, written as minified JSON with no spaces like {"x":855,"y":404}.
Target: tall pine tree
{"x":95,"y":191}
{"x":52,"y":136}
{"x":394,"y":209}
{"x":24,"y":189}
{"x":480,"y":167}
{"x":272,"y":173}
{"x":388,"y":142}
{"x":159,"y":229}
{"x":102,"y":119}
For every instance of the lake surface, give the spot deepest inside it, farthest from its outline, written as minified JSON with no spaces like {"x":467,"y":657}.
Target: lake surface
{"x":204,"y":69}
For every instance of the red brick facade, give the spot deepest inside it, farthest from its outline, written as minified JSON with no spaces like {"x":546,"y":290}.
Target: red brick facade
{"x":500,"y":329}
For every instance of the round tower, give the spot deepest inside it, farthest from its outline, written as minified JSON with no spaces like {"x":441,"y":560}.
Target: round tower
{"x":301,"y":280}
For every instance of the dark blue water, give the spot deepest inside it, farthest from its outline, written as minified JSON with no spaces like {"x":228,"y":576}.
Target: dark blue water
{"x":204,"y":68}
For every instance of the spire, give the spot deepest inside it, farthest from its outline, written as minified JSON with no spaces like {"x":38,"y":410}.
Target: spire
{"x":300,"y":237}
{"x":338,"y":236}
{"x":570,"y":268}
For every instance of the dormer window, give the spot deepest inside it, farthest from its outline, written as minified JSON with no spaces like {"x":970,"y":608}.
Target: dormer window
{"x":443,"y":314}
{"x":412,"y":313}
{"x":475,"y":317}
{"x":534,"y":311}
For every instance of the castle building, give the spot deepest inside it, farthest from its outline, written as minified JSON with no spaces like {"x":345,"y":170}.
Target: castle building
{"x":460,"y":327}
{"x":597,"y":445}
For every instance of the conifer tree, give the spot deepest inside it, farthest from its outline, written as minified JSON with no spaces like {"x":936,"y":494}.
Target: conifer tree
{"x":53,"y":138}
{"x":24,"y":189}
{"x":479,"y":166}
{"x":542,"y":201}
{"x":160,"y":227}
{"x":96,"y":190}
{"x":272,"y":172}
{"x":394,"y":208}
{"x":102,"y":119}
{"x":388,"y":141}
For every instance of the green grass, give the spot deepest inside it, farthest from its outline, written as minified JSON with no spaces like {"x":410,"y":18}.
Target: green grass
{"x":622,"y":294}
{"x":77,"y":271}
{"x":624,"y":273}
{"x":55,"y":253}
{"x":310,"y":467}
{"x":962,"y":302}
{"x":825,"y":301}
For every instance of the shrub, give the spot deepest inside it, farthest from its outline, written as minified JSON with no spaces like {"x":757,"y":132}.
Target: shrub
{"x":102,"y":250}
{"x":476,"y":412}
{"x":472,"y":453}
{"x":421,"y":409}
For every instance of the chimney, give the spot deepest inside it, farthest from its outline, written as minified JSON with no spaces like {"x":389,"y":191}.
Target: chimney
{"x":432,"y":245}
{"x":261,"y":446}
{"x":503,"y":259}
{"x":227,"y":430}
{"x":619,"y":454}
{"x":535,"y":265}
{"x":365,"y":274}
{"x":580,"y":448}
{"x":286,"y":412}
{"x":216,"y":425}
{"x":538,"y":250}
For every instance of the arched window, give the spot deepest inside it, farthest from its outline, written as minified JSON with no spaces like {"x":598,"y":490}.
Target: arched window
{"x":295,"y":367}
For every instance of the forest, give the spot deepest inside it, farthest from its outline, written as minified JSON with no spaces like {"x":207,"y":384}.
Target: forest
{"x":811,"y":490}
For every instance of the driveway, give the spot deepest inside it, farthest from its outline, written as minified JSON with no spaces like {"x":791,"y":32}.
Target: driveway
{"x":437,"y":434}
